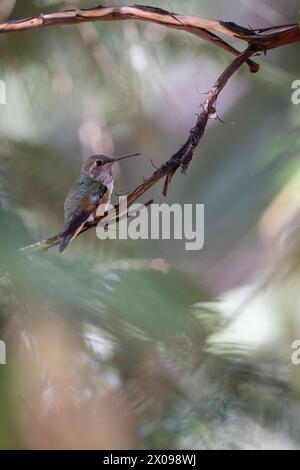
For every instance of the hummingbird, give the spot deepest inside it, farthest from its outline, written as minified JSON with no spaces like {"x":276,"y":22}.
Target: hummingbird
{"x":91,"y":189}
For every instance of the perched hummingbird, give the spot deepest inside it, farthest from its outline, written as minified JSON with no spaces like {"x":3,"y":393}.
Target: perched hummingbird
{"x":92,"y":188}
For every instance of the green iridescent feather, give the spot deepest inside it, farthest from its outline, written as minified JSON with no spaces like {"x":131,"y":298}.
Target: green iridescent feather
{"x":81,"y":190}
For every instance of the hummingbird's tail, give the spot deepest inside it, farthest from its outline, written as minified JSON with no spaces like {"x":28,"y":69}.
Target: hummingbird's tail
{"x":67,"y":236}
{"x":64,"y":242}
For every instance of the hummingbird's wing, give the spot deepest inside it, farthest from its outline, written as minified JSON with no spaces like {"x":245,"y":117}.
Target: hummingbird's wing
{"x":78,"y":208}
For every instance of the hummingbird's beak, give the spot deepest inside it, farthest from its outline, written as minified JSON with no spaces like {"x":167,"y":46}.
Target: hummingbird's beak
{"x":125,"y":156}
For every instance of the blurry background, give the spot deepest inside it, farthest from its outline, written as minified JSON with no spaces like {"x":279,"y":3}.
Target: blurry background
{"x":142,"y":344}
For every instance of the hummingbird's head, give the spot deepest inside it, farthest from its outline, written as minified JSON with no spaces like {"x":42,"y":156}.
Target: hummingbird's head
{"x":100,"y":167}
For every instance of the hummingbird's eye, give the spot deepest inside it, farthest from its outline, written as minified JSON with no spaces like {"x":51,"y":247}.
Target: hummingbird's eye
{"x":98,"y":163}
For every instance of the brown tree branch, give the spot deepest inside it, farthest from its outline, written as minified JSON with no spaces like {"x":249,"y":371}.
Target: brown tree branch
{"x":181,"y":158}
{"x":191,"y":24}
{"x":267,"y":38}
{"x":196,"y":24}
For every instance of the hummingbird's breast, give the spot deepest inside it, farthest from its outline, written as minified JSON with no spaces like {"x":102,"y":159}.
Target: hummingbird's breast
{"x":105,"y":201}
